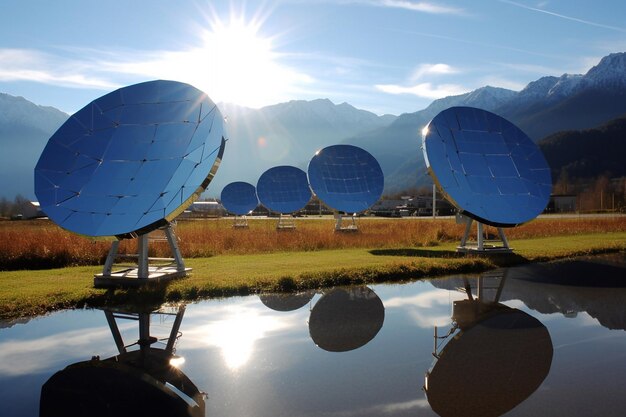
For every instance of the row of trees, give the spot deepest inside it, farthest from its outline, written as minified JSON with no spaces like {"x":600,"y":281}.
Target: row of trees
{"x":9,"y":208}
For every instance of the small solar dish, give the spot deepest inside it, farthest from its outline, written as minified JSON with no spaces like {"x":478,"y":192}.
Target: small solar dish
{"x":284,"y":189}
{"x":239,"y":198}
{"x":486,"y":166}
{"x":346,"y":178}
{"x":130,"y":161}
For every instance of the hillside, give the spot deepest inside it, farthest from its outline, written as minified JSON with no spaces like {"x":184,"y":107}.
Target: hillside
{"x":24,"y":130}
{"x":588,"y":153}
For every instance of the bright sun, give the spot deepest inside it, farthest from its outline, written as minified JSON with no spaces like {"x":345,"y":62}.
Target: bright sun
{"x":232,"y":62}
{"x":236,"y":64}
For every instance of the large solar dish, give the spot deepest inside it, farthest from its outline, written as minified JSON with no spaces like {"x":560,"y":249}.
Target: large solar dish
{"x":486,"y":166}
{"x":132,"y":160}
{"x":239,"y":198}
{"x":283,"y":189}
{"x":346,"y":178}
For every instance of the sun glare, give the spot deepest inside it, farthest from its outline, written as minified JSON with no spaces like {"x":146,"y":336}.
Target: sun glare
{"x":236,"y":64}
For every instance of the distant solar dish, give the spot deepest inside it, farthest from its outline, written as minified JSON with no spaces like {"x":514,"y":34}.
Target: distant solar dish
{"x":346,"y":318}
{"x":239,"y":198}
{"x":132,"y":160}
{"x":486,"y":166}
{"x":284,"y":189}
{"x":346,"y":178}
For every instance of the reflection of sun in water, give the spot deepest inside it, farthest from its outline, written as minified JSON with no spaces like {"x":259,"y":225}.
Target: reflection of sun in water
{"x":237,"y":335}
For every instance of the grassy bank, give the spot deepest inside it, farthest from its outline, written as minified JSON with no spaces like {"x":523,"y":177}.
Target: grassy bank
{"x":25,"y":293}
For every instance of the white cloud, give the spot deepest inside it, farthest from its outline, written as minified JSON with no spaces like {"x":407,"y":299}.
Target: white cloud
{"x":414,"y":6}
{"x":432,"y":69}
{"x":29,"y":65}
{"x":425,"y":90}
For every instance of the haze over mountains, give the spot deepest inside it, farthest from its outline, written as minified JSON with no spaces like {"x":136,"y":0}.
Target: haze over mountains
{"x":290,"y":133}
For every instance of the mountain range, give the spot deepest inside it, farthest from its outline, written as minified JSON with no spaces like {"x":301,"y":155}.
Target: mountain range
{"x":543,"y":107}
{"x":290,"y":133}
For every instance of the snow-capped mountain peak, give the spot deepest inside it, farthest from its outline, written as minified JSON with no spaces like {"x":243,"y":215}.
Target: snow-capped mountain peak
{"x":610,"y":72}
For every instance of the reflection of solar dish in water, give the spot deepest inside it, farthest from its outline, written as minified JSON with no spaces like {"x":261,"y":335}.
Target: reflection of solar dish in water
{"x":492,"y":365}
{"x":130,"y":161}
{"x":286,"y":302}
{"x":239,"y":198}
{"x":284,"y":189}
{"x":486,"y":166}
{"x":134,"y":383}
{"x":346,"y":178}
{"x":346,"y":318}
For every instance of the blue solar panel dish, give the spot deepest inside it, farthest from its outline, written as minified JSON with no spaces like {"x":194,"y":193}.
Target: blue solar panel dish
{"x":284,"y":189}
{"x":486,"y":166}
{"x":346,"y":178}
{"x":132,"y":160}
{"x":239,"y":198}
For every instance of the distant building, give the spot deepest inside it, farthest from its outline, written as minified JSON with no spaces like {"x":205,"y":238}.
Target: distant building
{"x":30,"y":210}
{"x":205,"y":209}
{"x":562,"y":203}
{"x":411,"y":206}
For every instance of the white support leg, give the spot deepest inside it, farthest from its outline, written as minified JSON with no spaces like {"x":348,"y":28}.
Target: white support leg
{"x":480,"y":237}
{"x":338,"y":219}
{"x":174,"y":332}
{"x":171,"y":239}
{"x":505,"y":242}
{"x":108,"y":264}
{"x":468,"y":228}
{"x":142,"y":260}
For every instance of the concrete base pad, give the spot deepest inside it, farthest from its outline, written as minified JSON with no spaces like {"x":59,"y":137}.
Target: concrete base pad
{"x":128,"y":278}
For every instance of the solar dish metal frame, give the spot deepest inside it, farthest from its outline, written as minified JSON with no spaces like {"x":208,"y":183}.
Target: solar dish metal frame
{"x":161,"y":270}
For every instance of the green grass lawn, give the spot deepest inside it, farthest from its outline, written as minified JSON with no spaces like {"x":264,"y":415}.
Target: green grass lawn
{"x":27,"y":293}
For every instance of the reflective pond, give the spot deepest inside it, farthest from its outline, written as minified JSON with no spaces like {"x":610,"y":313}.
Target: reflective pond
{"x":535,"y":340}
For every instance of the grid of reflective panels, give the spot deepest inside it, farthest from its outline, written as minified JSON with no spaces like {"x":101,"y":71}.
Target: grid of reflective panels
{"x":130,"y":160}
{"x":487,"y":166}
{"x":346,"y":178}
{"x":239,"y":198}
{"x":283,"y":189}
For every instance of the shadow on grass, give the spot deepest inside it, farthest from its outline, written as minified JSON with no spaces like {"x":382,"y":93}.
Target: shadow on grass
{"x":499,"y":259}
{"x":422,"y":253}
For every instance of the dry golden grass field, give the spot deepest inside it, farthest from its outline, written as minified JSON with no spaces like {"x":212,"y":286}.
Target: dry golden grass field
{"x":40,"y":244}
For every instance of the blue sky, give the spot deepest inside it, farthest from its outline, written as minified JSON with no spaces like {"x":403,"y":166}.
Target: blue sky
{"x":386,"y":56}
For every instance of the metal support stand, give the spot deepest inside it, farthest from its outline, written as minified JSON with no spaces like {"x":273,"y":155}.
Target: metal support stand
{"x":145,"y":338}
{"x":342,"y":227}
{"x":143,"y":273}
{"x":481,"y":245}
{"x":286,"y":222}
{"x":240,"y":222}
